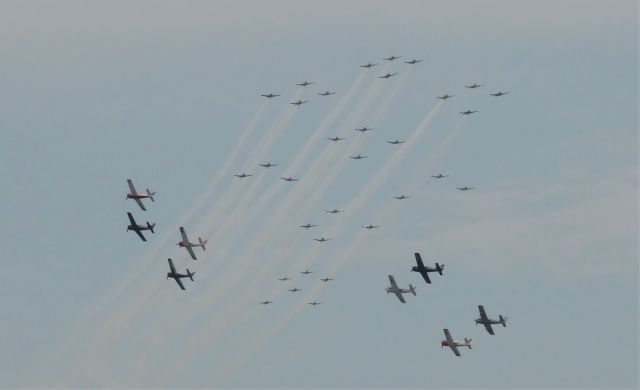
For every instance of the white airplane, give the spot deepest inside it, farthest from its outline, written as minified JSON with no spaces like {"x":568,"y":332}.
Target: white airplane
{"x":133,"y":194}
{"x":177,"y":276}
{"x":453,"y":344}
{"x":189,"y":245}
{"x":487,"y":322}
{"x":399,"y":291}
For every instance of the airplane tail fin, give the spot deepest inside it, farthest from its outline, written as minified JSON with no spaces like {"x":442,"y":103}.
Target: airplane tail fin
{"x":439,"y":268}
{"x":503,"y":321}
{"x":151,"y":226}
{"x":202,"y":243}
{"x":468,"y":342}
{"x":151,"y":194}
{"x":190,"y":274}
{"x":412,"y":289}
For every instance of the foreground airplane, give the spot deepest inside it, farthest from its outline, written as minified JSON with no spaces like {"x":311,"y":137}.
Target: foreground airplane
{"x":314,"y":303}
{"x":268,"y":165}
{"x":307,"y":226}
{"x":370,"y":227}
{"x":326,"y":279}
{"x":445,"y":96}
{"x":439,"y":176}
{"x":133,"y":194}
{"x":189,"y":245}
{"x":465,"y":188}
{"x":403,"y":196}
{"x":364,"y":129}
{"x":399,"y":291}
{"x":305,"y":83}
{"x":413,"y":61}
{"x":386,"y":76}
{"x":358,"y":157}
{"x":283,"y":279}
{"x":424,"y":271}
{"x":396,"y":142}
{"x":299,"y":102}
{"x":369,"y":65}
{"x":177,"y":276}
{"x":295,"y":289}
{"x":242,"y":176}
{"x":139,"y":228}
{"x":322,"y":239}
{"x":500,"y":93}
{"x":326,"y":93}
{"x":270,"y":95}
{"x":334,"y":211}
{"x":391,"y":58}
{"x":453,"y":344}
{"x":473,"y":86}
{"x":335,"y":139}
{"x":487,"y":322}
{"x":468,"y":112}
{"x":289,"y":178}
{"x":266,"y":302}
{"x":307,"y":272}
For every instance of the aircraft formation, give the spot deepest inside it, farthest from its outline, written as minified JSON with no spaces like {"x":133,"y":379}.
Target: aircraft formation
{"x":393,"y":288}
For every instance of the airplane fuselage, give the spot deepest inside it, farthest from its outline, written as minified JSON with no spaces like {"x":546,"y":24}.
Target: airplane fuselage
{"x":138,"y":196}
{"x":138,"y":227}
{"x":445,"y":343}
{"x":184,"y":244}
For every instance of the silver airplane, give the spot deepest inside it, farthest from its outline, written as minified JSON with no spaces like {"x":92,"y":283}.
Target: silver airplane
{"x":465,"y":188}
{"x":326,"y":279}
{"x":473,"y":86}
{"x":468,"y":112}
{"x":386,"y":76}
{"x":364,"y":129}
{"x":177,"y":276}
{"x":445,"y":96}
{"x":439,"y":176}
{"x":358,"y":157}
{"x":424,"y":271}
{"x":334,"y":211}
{"x":307,"y":272}
{"x":396,"y":142}
{"x":266,"y":302}
{"x":314,"y":303}
{"x":295,"y":289}
{"x":487,"y":322}
{"x":399,"y":291}
{"x":322,"y":239}
{"x":500,"y":93}
{"x":133,"y":194}
{"x":284,"y":278}
{"x":369,"y":65}
{"x":270,"y":95}
{"x":391,"y":58}
{"x":299,"y":102}
{"x":289,"y":178}
{"x":413,"y":61}
{"x":189,"y":245}
{"x":402,"y":197}
{"x":307,"y":226}
{"x":453,"y":344}
{"x":242,"y":176}
{"x":305,"y":83}
{"x":326,"y":93}
{"x":139,"y":228}
{"x":370,"y":227}
{"x":268,"y":165}
{"x":335,"y":139}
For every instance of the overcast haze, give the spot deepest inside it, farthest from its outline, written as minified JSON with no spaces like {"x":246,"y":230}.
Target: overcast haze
{"x":168,"y":94}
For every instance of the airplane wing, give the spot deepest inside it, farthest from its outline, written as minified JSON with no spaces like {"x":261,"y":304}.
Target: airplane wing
{"x":173,"y":269}
{"x":139,"y":202}
{"x":425,"y":276}
{"x":400,"y":297}
{"x":419,"y":260}
{"x":483,"y":314}
{"x":140,"y":234}
{"x":191,"y":253}
{"x":132,"y":189}
{"x":180,"y":283}
{"x":392,"y":280}
{"x":133,"y":221}
{"x":488,"y":327}
{"x":485,"y":319}
{"x":451,"y":343}
{"x":184,"y":235}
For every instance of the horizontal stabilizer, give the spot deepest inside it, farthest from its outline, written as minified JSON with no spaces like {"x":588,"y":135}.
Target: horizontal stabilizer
{"x":202,"y":243}
{"x":190,"y":274}
{"x":151,"y":226}
{"x":151,"y":195}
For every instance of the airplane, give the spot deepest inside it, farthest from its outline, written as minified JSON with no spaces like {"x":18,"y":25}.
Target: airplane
{"x":305,"y":83}
{"x":335,"y":139}
{"x":364,"y":129}
{"x":358,"y":157}
{"x":266,"y":302}
{"x":391,"y":58}
{"x":270,"y":95}
{"x":468,"y":112}
{"x":473,"y":86}
{"x":268,"y":165}
{"x":386,"y":76}
{"x":396,"y":142}
{"x":314,"y":303}
{"x":139,"y":228}
{"x":307,"y":226}
{"x":465,"y":188}
{"x":307,"y":272}
{"x":487,"y":322}
{"x":445,"y":96}
{"x":453,"y":344}
{"x":500,"y":93}
{"x":334,"y":211}
{"x":439,"y":176}
{"x":299,"y":102}
{"x":177,"y":276}
{"x":295,"y":289}
{"x":369,"y":65}
{"x":242,"y":176}
{"x":326,"y":93}
{"x":289,"y":178}
{"x":413,"y":61}
{"x":136,"y":196}
{"x":189,"y":245}
{"x":326,"y":279}
{"x":322,"y":239}
{"x":424,"y":271}
{"x":370,"y":227}
{"x":283,"y":279}
{"x":399,"y":291}
{"x":402,"y":197}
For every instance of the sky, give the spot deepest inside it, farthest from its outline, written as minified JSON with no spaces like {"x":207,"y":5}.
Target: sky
{"x":168,"y":95}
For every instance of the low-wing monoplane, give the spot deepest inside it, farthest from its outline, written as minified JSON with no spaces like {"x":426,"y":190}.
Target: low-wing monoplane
{"x":305,"y":83}
{"x":335,"y":139}
{"x":473,"y":86}
{"x":299,"y":102}
{"x":327,"y":93}
{"x":445,"y":96}
{"x":133,"y":194}
{"x":387,"y":75}
{"x":307,"y":226}
{"x":439,"y":176}
{"x":296,"y":289}
{"x":369,"y":65}
{"x":399,"y":291}
{"x":289,"y":178}
{"x":266,"y":302}
{"x":284,"y":278}
{"x":487,"y":322}
{"x":412,"y":62}
{"x":326,"y":279}
{"x":334,"y":211}
{"x":306,"y":272}
{"x":242,"y":175}
{"x":468,"y":112}
{"x":139,"y":228}
{"x":403,"y":196}
{"x":322,"y":239}
{"x":465,"y":188}
{"x":453,"y":344}
{"x":391,"y":58}
{"x":185,"y":243}
{"x":424,"y":271}
{"x":358,"y":157}
{"x":314,"y":303}
{"x":177,"y":276}
{"x":268,"y":165}
{"x":499,"y":93}
{"x":370,"y":227}
{"x":364,"y":129}
{"x":270,"y":95}
{"x":396,"y":142}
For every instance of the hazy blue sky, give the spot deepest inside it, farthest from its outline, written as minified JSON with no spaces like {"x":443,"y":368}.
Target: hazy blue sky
{"x":168,"y":94}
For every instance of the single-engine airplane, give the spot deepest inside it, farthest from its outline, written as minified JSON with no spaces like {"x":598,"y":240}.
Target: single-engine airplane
{"x":133,"y":194}
{"x":424,"y":271}
{"x":177,"y":276}
{"x":189,"y":245}
{"x":399,"y":291}
{"x":453,"y":344}
{"x":487,"y":322}
{"x":139,"y":228}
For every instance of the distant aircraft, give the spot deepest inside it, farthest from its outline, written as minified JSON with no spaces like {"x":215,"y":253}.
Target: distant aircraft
{"x":189,"y":245}
{"x":268,"y":165}
{"x":413,"y":61}
{"x":445,"y":96}
{"x":307,"y":272}
{"x":391,"y":58}
{"x":465,"y":188}
{"x":289,"y":178}
{"x":370,"y":227}
{"x":284,"y":278}
{"x":299,"y":102}
{"x":334,"y":211}
{"x":487,"y":322}
{"x":242,"y":176}
{"x":139,"y":228}
{"x":326,"y":93}
{"x":307,"y":226}
{"x":396,"y":142}
{"x":424,"y":271}
{"x":270,"y":95}
{"x":369,"y":65}
{"x":136,"y":196}
{"x":322,"y":239}
{"x":364,"y":129}
{"x":439,"y":176}
{"x":358,"y":157}
{"x":500,"y":93}
{"x":177,"y":276}
{"x":295,"y":289}
{"x":453,"y":344}
{"x":473,"y":86}
{"x":402,"y":197}
{"x":386,"y":76}
{"x":266,"y":302}
{"x":314,"y":303}
{"x":468,"y":112}
{"x":335,"y":139}
{"x":326,"y":279}
{"x":305,"y":83}
{"x":399,"y":291}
